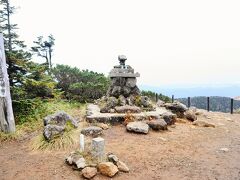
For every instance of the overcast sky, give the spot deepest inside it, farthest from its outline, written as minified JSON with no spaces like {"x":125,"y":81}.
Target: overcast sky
{"x":169,"y":42}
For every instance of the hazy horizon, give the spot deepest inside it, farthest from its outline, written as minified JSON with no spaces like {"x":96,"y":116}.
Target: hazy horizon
{"x":170,"y":43}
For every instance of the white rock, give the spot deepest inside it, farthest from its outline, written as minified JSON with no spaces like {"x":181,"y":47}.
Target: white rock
{"x":138,"y":127}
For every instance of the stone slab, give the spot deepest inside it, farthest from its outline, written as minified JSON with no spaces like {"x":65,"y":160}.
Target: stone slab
{"x":117,"y":118}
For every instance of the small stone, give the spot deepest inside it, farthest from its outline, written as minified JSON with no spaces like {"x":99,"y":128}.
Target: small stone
{"x":158,"y":124}
{"x":201,"y":123}
{"x":138,"y":127}
{"x":113,"y":158}
{"x":81,"y":163}
{"x":92,"y":131}
{"x":103,"y":126}
{"x":122,"y":166}
{"x":108,"y":169}
{"x":89,"y":172}
{"x":224,"y":149}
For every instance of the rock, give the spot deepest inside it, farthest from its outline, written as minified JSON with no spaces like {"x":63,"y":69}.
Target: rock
{"x":108,"y":169}
{"x":160,"y":103}
{"x":76,"y":159}
{"x":138,"y":127}
{"x":190,"y":115}
{"x":89,"y":172}
{"x":158,"y":124}
{"x":177,"y":108}
{"x":54,"y":125}
{"x":201,"y":123}
{"x":52,"y":131}
{"x":145,"y":101}
{"x":60,"y":118}
{"x":122,"y":100}
{"x":93,"y":131}
{"x":127,"y":108}
{"x":103,"y":126}
{"x":80,"y":163}
{"x":169,"y":118}
{"x":113,"y":158}
{"x":224,"y":149}
{"x":110,"y":103}
{"x":122,"y":166}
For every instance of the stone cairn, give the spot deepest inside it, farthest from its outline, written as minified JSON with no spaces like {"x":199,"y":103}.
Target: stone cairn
{"x":123,"y":95}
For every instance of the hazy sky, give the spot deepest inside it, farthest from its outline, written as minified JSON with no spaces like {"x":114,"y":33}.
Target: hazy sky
{"x":170,"y":42}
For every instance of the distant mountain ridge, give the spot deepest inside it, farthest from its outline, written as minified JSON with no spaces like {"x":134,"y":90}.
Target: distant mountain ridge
{"x":193,"y":91}
{"x":221,"y":104}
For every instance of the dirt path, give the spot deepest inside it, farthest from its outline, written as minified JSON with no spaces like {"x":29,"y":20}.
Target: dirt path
{"x":183,"y":152}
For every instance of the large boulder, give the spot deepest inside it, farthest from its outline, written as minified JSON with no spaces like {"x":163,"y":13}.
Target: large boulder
{"x":127,"y":108}
{"x":89,"y":172}
{"x":52,"y":131}
{"x":93,"y":131}
{"x":59,"y":118}
{"x":138,"y":127}
{"x":190,"y":115}
{"x":54,"y":125}
{"x":108,"y":169}
{"x":169,"y":118}
{"x":157,"y":124}
{"x":177,"y":108}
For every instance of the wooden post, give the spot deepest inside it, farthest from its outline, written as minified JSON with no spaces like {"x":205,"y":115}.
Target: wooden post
{"x":231,"y":106}
{"x":189,"y":102}
{"x":208,"y":104}
{"x":172,"y":98}
{"x":7,"y":123}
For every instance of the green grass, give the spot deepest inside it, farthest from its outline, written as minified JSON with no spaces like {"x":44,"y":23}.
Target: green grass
{"x":34,"y":122}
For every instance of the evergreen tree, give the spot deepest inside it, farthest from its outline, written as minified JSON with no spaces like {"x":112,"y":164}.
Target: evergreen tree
{"x":16,"y":56}
{"x":44,"y":48}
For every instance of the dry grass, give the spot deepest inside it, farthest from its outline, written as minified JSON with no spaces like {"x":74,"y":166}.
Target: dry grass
{"x":68,"y":140}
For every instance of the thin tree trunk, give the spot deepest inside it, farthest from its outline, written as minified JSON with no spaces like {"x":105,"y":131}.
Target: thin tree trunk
{"x":7,"y":123}
{"x":9,"y":28}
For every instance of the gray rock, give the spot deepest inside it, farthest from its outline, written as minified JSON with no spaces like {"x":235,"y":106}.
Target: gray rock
{"x":122,"y":100}
{"x":127,"y":108}
{"x":92,"y":131}
{"x":76,"y":159}
{"x":158,"y":124}
{"x":177,"y":108}
{"x":113,"y":158}
{"x":190,"y":115}
{"x":169,"y":118}
{"x":109,"y":104}
{"x":80,"y":163}
{"x":160,"y":103}
{"x":89,"y":172}
{"x":60,"y":118}
{"x":138,"y":127}
{"x":52,"y":131}
{"x":122,"y":166}
{"x":145,"y":101}
{"x":131,"y":82}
